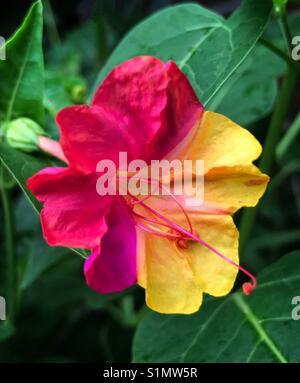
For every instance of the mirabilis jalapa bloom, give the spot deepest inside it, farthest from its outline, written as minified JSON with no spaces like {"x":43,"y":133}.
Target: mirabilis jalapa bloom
{"x":148,"y":109}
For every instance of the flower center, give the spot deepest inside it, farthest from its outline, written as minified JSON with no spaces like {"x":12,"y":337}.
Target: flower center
{"x":164,"y":227}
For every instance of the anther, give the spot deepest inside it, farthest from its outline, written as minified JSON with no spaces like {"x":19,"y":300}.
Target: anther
{"x":182,"y":243}
{"x":248,"y":288}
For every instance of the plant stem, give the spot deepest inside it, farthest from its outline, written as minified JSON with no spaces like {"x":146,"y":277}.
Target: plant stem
{"x":280,"y":12}
{"x":288,"y":138}
{"x":9,"y":233}
{"x":273,"y":136}
{"x":50,"y":24}
{"x":278,"y":117}
{"x":280,"y":177}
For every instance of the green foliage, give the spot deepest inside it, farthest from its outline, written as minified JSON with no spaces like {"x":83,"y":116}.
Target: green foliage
{"x":259,"y":328}
{"x":22,"y":133}
{"x":251,"y":92}
{"x":205,"y":46}
{"x":22,"y":166}
{"x":22,"y":73}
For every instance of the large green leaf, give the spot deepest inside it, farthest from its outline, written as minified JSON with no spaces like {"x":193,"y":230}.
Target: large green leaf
{"x":208,"y":48}
{"x":21,"y":94}
{"x":237,"y":328}
{"x":250,"y":93}
{"x":22,"y":166}
{"x":21,"y":74}
{"x":40,"y":257}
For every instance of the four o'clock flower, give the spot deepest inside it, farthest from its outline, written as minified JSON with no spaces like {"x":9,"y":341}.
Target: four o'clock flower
{"x":149,"y":110}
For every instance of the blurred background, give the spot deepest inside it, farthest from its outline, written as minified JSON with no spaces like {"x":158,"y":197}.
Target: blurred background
{"x":60,"y":319}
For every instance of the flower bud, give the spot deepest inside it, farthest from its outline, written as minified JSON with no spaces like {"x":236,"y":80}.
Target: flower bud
{"x":279,"y":7}
{"x":78,"y":93}
{"x":23,"y":134}
{"x":76,"y":88}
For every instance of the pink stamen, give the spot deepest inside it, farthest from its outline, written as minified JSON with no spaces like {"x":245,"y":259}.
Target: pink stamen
{"x":52,"y":147}
{"x":154,"y":221}
{"x":155,"y":232}
{"x":185,"y":234}
{"x":247,"y":287}
{"x":157,"y":183}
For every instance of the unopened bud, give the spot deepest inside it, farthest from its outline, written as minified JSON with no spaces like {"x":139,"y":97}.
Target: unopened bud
{"x":279,"y":7}
{"x":76,"y":88}
{"x":23,"y":134}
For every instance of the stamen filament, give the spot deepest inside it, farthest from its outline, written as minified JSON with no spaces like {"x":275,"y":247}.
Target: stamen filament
{"x":154,"y":221}
{"x":185,"y":234}
{"x":157,"y":183}
{"x":247,"y":287}
{"x":155,"y":232}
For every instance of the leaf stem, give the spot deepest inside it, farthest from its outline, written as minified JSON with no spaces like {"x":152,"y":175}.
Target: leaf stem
{"x":288,"y":138}
{"x":50,"y":24}
{"x":280,"y":177}
{"x":9,"y":233}
{"x":273,"y":136}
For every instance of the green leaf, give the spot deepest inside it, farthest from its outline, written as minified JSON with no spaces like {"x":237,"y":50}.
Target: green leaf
{"x":77,"y":53}
{"x":21,"y":94}
{"x":56,"y":96}
{"x":22,"y":166}
{"x":21,"y":74}
{"x":40,"y":257}
{"x":6,"y":330}
{"x":250,"y":93}
{"x":237,"y":328}
{"x":206,"y":47}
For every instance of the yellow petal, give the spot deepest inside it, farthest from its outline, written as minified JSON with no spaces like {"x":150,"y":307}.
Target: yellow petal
{"x":174,"y":278}
{"x":226,"y":189}
{"x":230,"y":188}
{"x":221,"y":142}
{"x":165,"y":273}
{"x":215,"y":274}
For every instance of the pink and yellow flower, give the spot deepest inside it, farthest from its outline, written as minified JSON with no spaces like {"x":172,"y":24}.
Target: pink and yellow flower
{"x":148,"y":109}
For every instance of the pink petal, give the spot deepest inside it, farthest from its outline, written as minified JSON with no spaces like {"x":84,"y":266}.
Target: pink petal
{"x":113,"y":268}
{"x":90,"y":134}
{"x":73,"y":212}
{"x":143,"y":107}
{"x":182,"y":114}
{"x":156,"y":99}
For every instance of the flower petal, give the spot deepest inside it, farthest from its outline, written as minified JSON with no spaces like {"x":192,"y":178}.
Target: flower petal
{"x":113,"y":267}
{"x":182,"y":114}
{"x":155,"y":99}
{"x":165,"y":273}
{"x":221,"y":142}
{"x":226,"y":190}
{"x":215,"y":275}
{"x":73,"y":212}
{"x":230,"y":188}
{"x":91,"y":134}
{"x":174,"y":278}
